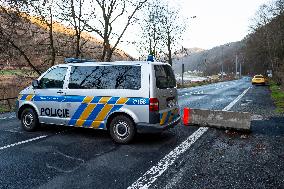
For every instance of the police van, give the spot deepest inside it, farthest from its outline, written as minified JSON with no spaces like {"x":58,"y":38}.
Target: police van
{"x":122,"y":97}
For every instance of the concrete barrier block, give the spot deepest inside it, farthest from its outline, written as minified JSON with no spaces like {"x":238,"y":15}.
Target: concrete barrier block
{"x":216,"y":118}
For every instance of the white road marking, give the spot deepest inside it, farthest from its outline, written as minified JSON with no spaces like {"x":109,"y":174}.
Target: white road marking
{"x":157,"y":170}
{"x":10,"y":117}
{"x":236,"y":100}
{"x":151,"y":175}
{"x":15,"y":130}
{"x":22,"y":142}
{"x":32,"y":139}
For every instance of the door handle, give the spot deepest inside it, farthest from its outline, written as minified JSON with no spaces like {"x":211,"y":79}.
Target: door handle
{"x":59,"y":92}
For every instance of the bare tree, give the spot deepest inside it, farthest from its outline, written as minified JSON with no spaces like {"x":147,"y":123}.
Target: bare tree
{"x":107,"y":16}
{"x":162,"y":28}
{"x":265,"y":43}
{"x":174,"y":27}
{"x":77,"y":14}
{"x":152,"y":28}
{"x":44,"y":9}
{"x":14,"y":29}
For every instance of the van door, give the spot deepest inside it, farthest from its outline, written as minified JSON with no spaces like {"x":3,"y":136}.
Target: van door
{"x":166,"y":93}
{"x":49,"y":96}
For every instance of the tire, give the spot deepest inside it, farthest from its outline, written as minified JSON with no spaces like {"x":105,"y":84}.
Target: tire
{"x":122,"y":129}
{"x":29,"y":120}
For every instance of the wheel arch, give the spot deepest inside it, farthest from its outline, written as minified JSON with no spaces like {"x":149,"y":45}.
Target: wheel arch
{"x":115,"y":114}
{"x":25,"y":106}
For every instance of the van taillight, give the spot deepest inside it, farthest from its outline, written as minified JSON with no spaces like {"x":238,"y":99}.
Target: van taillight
{"x":154,"y":105}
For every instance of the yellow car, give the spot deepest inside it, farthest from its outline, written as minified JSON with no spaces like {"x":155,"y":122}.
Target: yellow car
{"x":258,"y":79}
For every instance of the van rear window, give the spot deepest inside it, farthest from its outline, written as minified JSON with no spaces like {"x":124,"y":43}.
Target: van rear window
{"x":165,"y":77}
{"x":258,"y":76}
{"x":105,"y":77}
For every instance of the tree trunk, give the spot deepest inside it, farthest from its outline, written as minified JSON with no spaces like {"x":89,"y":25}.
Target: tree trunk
{"x":25,"y":57}
{"x":77,"y":50}
{"x":169,"y":48}
{"x":109,"y":53}
{"x":53,"y":53}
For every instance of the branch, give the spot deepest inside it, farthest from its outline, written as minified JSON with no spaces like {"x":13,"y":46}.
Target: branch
{"x":140,"y":4}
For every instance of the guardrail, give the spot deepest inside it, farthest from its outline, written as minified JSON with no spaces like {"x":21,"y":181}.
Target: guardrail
{"x":8,"y":103}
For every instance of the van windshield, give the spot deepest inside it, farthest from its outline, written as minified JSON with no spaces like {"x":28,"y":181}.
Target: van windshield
{"x":165,"y":77}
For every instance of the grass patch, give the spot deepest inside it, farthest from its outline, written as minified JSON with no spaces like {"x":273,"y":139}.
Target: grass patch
{"x":278,"y":96}
{"x":3,"y":109}
{"x":17,"y":72}
{"x":196,"y":84}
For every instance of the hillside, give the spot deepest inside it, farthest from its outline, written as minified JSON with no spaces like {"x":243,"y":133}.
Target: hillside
{"x":32,"y":37}
{"x":25,"y":42}
{"x":210,"y":61}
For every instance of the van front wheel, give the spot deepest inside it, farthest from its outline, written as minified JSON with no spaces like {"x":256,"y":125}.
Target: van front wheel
{"x":29,"y":119}
{"x":122,"y":129}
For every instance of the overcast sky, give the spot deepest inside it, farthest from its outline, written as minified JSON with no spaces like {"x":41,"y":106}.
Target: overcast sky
{"x":217,"y":21}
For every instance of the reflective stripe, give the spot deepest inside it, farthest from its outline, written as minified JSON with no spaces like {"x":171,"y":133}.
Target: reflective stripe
{"x":93,"y":110}
{"x":102,"y":115}
{"x":77,"y":114}
{"x":104,"y":100}
{"x":171,"y":115}
{"x":168,"y":116}
{"x":93,"y":115}
{"x":19,"y":97}
{"x":29,"y":97}
{"x":88,"y":99}
{"x":96,"y":124}
{"x":96,"y":99}
{"x":122,"y":100}
{"x":113,"y":100}
{"x":24,"y":97}
{"x":163,"y":118}
{"x":86,"y":113}
{"x":114,"y":108}
{"x":73,"y":98}
{"x":102,"y":125}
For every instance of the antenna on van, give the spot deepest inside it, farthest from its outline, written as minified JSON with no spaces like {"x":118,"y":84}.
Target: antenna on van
{"x":150,"y":58}
{"x":77,"y":60}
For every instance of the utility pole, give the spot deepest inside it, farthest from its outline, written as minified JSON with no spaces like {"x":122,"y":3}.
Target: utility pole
{"x":240,"y":69}
{"x":222,"y":63}
{"x":236,"y":66}
{"x":182,"y":71}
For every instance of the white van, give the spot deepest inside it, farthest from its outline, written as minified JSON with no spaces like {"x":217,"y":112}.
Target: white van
{"x":121,"y":97}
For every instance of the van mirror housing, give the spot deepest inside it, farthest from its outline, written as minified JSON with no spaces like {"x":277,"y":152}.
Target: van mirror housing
{"x":35,"y":84}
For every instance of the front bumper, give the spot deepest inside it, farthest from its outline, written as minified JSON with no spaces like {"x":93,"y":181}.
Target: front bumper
{"x":155,"y":128}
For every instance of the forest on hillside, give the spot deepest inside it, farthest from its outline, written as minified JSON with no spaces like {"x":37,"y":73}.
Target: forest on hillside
{"x":264,"y":46}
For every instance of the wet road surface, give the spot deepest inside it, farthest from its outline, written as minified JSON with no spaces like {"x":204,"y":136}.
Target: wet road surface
{"x":63,"y":157}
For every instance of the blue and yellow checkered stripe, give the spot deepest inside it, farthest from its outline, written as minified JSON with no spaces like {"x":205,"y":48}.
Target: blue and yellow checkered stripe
{"x":93,"y":111}
{"x":169,"y":116}
{"x":26,"y":97}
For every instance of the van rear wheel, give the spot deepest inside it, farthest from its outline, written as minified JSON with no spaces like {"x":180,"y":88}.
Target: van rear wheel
{"x":29,"y":119}
{"x":122,"y":129}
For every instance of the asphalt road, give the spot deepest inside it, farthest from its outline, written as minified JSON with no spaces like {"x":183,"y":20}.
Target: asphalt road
{"x":64,"y":157}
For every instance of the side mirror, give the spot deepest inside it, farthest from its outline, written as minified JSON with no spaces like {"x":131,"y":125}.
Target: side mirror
{"x":35,"y":84}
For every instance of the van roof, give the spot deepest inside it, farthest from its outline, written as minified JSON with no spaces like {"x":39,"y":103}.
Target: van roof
{"x":113,"y":63}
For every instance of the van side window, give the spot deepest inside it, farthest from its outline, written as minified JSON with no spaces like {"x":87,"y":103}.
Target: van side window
{"x":165,"y":77}
{"x":105,"y":77}
{"x":53,"y":79}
